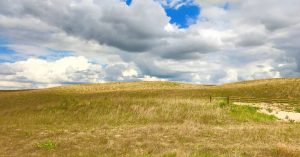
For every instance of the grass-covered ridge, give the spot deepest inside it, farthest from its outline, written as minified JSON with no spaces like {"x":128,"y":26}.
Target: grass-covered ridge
{"x":144,"y":119}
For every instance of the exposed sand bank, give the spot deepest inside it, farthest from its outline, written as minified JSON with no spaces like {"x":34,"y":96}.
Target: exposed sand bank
{"x":273,"y":109}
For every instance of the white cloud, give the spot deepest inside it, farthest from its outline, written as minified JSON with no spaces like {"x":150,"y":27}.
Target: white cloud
{"x":249,"y":40}
{"x":130,"y":72}
{"x":41,"y":72}
{"x":152,"y":78}
{"x":176,"y":3}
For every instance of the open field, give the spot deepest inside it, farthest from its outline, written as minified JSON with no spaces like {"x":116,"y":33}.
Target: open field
{"x":147,"y":119}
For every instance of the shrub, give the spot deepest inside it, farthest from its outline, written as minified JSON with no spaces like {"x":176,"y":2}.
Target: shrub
{"x":223,"y":104}
{"x":297,"y":109}
{"x":48,"y":145}
{"x":269,"y":110}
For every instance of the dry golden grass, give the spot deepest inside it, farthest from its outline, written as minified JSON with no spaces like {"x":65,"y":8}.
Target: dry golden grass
{"x":141,"y":119}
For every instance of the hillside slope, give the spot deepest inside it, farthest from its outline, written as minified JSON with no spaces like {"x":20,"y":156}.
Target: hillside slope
{"x":269,"y":88}
{"x":146,"y":119}
{"x":287,"y":89}
{"x":273,"y":88}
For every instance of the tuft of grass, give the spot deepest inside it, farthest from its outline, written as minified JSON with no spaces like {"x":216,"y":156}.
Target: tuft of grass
{"x":297,"y":109}
{"x":223,"y":104}
{"x":291,"y":121}
{"x":173,"y":154}
{"x":284,"y":151}
{"x":269,"y":110}
{"x":47,"y":145}
{"x":249,"y":113}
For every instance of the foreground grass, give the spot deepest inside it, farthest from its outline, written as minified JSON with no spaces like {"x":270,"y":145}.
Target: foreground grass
{"x":137,"y":122}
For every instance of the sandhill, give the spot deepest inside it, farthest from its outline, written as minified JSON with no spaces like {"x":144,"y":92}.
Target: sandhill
{"x":148,"y":119}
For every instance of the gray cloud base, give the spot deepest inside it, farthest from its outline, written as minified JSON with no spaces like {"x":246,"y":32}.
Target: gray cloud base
{"x":250,"y":40}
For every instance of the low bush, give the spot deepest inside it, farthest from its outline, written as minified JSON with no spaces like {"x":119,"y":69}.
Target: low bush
{"x":48,"y":145}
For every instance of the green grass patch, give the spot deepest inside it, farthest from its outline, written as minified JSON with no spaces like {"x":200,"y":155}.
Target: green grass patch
{"x":47,"y":145}
{"x":249,"y":113}
{"x":223,"y":104}
{"x":297,"y":109}
{"x":169,"y":155}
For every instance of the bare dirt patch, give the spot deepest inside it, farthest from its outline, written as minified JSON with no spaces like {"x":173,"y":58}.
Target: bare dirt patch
{"x":276,"y":110}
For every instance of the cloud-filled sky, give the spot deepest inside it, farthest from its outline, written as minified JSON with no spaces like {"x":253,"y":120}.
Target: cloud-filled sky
{"x":46,"y":43}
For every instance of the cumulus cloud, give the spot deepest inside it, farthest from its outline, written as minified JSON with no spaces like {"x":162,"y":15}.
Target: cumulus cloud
{"x":231,"y":40}
{"x":134,"y":29}
{"x":152,"y":78}
{"x":37,"y":73}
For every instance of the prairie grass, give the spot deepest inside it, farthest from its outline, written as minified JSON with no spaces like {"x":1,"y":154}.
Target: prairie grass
{"x":48,"y":145}
{"x":140,"y":119}
{"x":246,"y":113}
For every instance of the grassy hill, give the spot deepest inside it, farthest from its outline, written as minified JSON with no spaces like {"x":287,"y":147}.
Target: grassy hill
{"x":146,"y":119}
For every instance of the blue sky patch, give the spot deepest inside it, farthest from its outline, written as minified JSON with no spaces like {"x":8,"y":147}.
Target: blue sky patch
{"x":128,"y":2}
{"x":9,"y":55}
{"x":57,"y":54}
{"x":226,"y":6}
{"x":183,"y":15}
{"x":6,"y":50}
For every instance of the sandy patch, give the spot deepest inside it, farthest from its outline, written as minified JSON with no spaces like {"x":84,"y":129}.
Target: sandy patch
{"x":274,"y":109}
{"x":283,"y":115}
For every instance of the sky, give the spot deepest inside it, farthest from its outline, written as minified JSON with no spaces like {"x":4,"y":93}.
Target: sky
{"x":58,"y":42}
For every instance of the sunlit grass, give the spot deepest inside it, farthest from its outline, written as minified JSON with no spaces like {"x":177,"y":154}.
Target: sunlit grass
{"x":248,"y":113}
{"x":139,"y":119}
{"x":48,"y":145}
